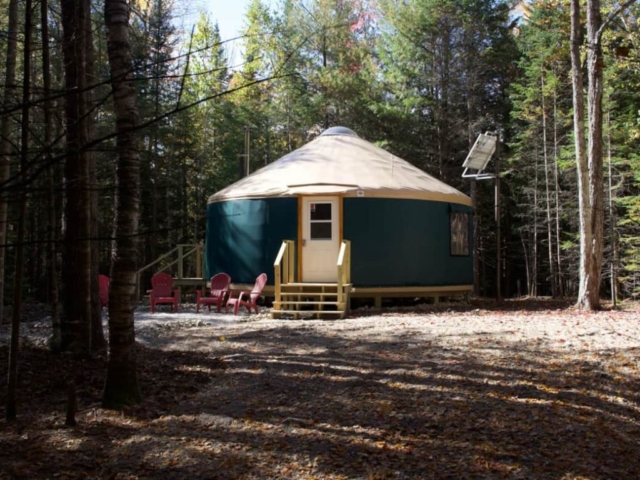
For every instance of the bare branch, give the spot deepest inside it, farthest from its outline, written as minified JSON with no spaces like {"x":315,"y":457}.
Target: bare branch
{"x":611,"y":17}
{"x":15,"y":183}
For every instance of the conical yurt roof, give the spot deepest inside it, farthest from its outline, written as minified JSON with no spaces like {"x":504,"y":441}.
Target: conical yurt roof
{"x":338,"y":162}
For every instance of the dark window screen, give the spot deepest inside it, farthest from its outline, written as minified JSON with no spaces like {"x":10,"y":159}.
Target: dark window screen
{"x":320,"y":211}
{"x":321,"y":231}
{"x":320,"y":221}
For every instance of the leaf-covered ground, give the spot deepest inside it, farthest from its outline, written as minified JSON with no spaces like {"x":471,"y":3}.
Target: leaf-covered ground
{"x":521,"y":390}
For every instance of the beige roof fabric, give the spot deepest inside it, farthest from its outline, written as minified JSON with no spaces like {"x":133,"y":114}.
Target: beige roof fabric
{"x":341,"y":164}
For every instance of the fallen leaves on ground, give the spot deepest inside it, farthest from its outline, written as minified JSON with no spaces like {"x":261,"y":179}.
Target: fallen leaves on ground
{"x":348,"y":399}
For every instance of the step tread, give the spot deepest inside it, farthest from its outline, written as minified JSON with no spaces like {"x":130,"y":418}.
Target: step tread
{"x":309,"y":303}
{"x":309,"y":294}
{"x":333,"y":312}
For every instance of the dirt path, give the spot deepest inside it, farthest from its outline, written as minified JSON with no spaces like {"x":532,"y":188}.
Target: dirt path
{"x":527,"y":391}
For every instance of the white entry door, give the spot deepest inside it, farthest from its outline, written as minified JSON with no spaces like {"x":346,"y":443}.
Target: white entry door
{"x":320,"y":242}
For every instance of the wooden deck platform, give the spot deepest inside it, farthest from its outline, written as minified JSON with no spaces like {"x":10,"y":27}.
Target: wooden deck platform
{"x":378,"y":293}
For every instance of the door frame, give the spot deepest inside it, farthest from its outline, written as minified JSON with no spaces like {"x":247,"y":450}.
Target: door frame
{"x":300,"y":226}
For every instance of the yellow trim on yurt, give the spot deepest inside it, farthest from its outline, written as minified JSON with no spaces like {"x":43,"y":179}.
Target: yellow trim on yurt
{"x":300,"y":215}
{"x":300,"y":226}
{"x":341,"y":213}
{"x":460,"y":199}
{"x":382,"y":292}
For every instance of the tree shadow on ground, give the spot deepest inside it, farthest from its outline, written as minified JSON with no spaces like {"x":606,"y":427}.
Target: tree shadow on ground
{"x":292,"y":402}
{"x":434,"y":412}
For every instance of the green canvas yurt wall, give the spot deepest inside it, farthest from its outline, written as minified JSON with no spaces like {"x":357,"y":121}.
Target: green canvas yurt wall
{"x":244,"y":236}
{"x":396,"y":242}
{"x":397,"y":217}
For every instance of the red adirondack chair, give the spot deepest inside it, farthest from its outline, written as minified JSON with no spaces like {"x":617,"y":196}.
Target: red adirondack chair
{"x":248,"y":299}
{"x":217,"y":292}
{"x":162,"y":291}
{"x":104,"y":282}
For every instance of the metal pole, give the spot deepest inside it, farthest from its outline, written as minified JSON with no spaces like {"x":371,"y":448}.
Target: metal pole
{"x":247,"y":149}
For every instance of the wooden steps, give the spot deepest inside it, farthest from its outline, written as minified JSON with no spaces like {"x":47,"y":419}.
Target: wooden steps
{"x":297,"y":313}
{"x":319,"y":299}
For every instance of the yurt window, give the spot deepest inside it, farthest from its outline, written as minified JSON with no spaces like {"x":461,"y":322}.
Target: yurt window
{"x":320,"y":221}
{"x":459,"y":233}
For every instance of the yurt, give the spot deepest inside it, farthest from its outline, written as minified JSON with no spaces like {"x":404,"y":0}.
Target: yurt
{"x":409,"y":233}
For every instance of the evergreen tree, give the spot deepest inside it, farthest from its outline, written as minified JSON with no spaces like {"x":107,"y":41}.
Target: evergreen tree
{"x":203,"y":132}
{"x":543,"y":184}
{"x":446,"y":65}
{"x":156,"y":40}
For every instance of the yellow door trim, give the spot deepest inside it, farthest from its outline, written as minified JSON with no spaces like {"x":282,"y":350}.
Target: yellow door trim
{"x":300,"y":219}
{"x":299,"y":242}
{"x":341,"y":213}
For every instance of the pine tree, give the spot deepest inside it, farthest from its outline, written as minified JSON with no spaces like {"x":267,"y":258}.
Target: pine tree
{"x":541,"y":131}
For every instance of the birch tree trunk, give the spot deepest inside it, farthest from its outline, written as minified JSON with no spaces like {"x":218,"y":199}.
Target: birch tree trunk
{"x":586,"y":232}
{"x":9,"y":99}
{"x":121,"y":387}
{"x":590,"y":169}
{"x":591,"y":261}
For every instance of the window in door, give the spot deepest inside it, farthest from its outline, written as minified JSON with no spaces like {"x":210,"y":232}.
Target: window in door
{"x":320,"y":221}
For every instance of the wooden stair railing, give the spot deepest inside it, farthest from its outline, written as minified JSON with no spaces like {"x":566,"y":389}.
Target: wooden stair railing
{"x":344,"y":273}
{"x":284,"y":270}
{"x":315,"y":298}
{"x":184,"y":253}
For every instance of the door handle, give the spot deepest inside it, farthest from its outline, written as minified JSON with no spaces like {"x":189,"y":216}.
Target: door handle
{"x":304,"y":242}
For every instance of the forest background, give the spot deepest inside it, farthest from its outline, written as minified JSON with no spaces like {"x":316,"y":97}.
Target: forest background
{"x":421,"y":78}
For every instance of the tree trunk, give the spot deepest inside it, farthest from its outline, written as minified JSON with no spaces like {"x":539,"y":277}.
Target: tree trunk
{"x":9,"y":99}
{"x":476,"y":238}
{"x":556,"y":180}
{"x":484,"y":267}
{"x":545,"y":155}
{"x":498,"y":221}
{"x":474,"y":192}
{"x":593,"y":237}
{"x":526,"y":263}
{"x":52,"y":252}
{"x":155,"y":166}
{"x":76,"y":265}
{"x":612,"y":220}
{"x":98,"y":341}
{"x":590,"y":174}
{"x":121,"y":387}
{"x":586,"y":294}
{"x":12,"y":381}
{"x":534,"y":253}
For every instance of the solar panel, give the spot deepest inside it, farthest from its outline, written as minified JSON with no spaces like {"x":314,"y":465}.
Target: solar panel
{"x":481,"y":152}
